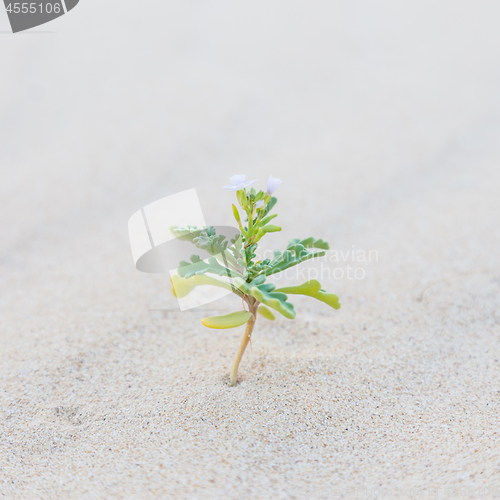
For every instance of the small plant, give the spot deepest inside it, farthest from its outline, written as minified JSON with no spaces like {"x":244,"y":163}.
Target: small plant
{"x":236,"y":260}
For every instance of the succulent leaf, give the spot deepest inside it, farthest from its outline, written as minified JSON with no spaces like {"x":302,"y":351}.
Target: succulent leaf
{"x":266,"y":313}
{"x":270,"y":228}
{"x":231,"y":320}
{"x":182,"y":286}
{"x":309,"y":243}
{"x":270,"y":205}
{"x":265,"y":294}
{"x":267,"y":219}
{"x":312,"y":288}
{"x":198,"y":266}
{"x":289,"y":258}
{"x":236,"y":215}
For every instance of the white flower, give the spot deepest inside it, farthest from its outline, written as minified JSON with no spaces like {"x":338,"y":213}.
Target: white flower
{"x":273,"y":184}
{"x":259,"y":204}
{"x":238,"y":182}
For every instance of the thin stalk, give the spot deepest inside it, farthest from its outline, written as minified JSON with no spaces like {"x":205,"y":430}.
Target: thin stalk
{"x":244,"y":342}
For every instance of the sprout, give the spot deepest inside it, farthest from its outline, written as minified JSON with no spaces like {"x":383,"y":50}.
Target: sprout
{"x":237,"y":260}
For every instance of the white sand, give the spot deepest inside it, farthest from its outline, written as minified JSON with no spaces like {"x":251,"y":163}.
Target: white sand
{"x":383,"y":121}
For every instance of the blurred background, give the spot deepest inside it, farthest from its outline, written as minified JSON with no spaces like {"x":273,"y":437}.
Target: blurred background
{"x":373,"y":114}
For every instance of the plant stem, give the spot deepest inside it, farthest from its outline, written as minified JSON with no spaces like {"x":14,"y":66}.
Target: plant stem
{"x":244,"y":342}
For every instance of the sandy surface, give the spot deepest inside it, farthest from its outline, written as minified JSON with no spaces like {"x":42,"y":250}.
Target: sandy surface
{"x":383,"y":120}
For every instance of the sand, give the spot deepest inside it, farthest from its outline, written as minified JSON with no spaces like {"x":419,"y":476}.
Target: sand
{"x":383,"y":122}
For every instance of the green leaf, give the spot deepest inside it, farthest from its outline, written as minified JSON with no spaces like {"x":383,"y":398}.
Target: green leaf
{"x":270,"y":205}
{"x":312,"y":288}
{"x":289,"y":258}
{"x":236,"y":215}
{"x":267,"y":219}
{"x":266,"y":313}
{"x":182,"y":286}
{"x":185,"y":233}
{"x":250,"y":254}
{"x":204,"y":238}
{"x":238,"y":253}
{"x":264,"y":293}
{"x":242,"y":198}
{"x":198,"y":266}
{"x":259,"y":280}
{"x":308,"y":243}
{"x":231,"y":320}
{"x":207,"y":240}
{"x":270,"y":228}
{"x":278,"y":301}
